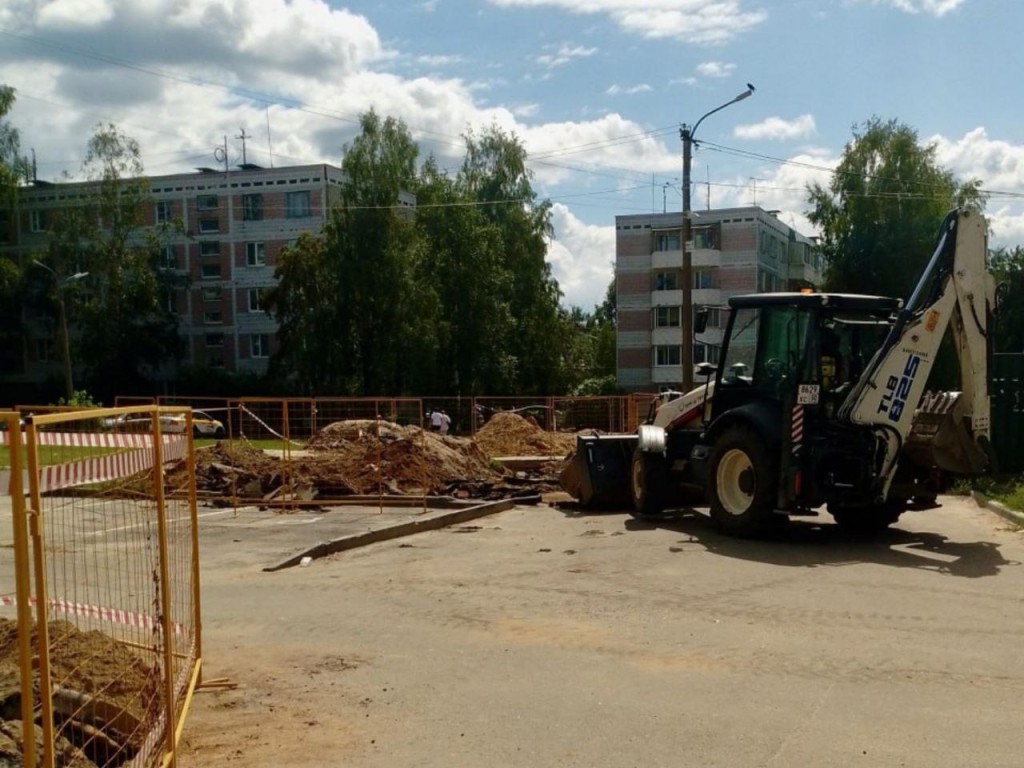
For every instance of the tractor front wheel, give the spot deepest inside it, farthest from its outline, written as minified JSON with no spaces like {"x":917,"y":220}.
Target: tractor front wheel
{"x":742,"y":483}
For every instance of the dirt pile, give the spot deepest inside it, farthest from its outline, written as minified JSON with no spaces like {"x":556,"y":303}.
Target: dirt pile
{"x":105,"y":695}
{"x":509,"y":434}
{"x":377,"y":456}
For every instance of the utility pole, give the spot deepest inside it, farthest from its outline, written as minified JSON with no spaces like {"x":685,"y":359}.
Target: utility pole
{"x":686,"y":134}
{"x":62,"y":284}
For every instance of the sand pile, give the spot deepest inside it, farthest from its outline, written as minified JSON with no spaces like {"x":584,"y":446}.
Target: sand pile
{"x":509,"y":434}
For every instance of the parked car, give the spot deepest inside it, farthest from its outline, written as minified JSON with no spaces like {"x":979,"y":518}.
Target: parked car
{"x":203,"y":425}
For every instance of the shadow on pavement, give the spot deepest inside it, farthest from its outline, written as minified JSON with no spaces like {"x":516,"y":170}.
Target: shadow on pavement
{"x":817,"y":542}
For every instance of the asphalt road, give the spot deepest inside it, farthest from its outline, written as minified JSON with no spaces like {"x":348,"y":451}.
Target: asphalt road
{"x":537,"y":637}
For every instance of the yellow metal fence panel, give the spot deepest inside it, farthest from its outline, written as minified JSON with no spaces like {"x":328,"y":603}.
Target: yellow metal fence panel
{"x":110,"y":568}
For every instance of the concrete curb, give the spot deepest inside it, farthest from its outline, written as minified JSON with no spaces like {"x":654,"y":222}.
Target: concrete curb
{"x":430,"y":522}
{"x":1012,"y":515}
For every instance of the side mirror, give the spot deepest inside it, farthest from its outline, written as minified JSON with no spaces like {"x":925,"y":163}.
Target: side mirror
{"x":700,"y":320}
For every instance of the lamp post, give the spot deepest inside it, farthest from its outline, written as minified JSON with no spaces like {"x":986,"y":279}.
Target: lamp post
{"x":686,"y":134}
{"x":62,"y":283}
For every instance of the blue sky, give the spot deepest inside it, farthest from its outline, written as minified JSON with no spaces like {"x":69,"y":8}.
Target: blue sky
{"x":596,"y":90}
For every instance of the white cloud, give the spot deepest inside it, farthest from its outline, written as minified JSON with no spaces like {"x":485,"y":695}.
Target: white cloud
{"x":704,"y":22}
{"x":620,"y":90}
{"x":934,"y":7}
{"x":777,"y":129}
{"x":564,"y":55}
{"x":582,"y":258}
{"x":715,"y":69}
{"x":58,"y":14}
{"x":1000,"y":166}
{"x":438,"y":60}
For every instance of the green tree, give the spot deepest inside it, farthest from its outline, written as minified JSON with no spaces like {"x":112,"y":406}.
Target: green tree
{"x":349,"y":307}
{"x":881,"y":212}
{"x":13,"y":169}
{"x":124,"y":332}
{"x":1007,"y":267}
{"x":495,"y":175}
{"x":466,"y":271}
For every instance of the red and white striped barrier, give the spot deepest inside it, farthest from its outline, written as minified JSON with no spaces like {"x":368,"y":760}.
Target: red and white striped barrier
{"x":100,"y":469}
{"x":112,"y":615}
{"x":90,"y":439}
{"x":797,"y":428}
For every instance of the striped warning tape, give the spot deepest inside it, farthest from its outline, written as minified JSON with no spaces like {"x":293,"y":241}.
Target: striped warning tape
{"x":266,"y":426}
{"x":797,"y":428}
{"x":92,"y":439}
{"x":112,"y":615}
{"x":100,"y":469}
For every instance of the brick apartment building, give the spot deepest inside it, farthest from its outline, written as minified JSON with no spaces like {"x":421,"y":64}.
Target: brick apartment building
{"x":733,"y":251}
{"x":235,"y":224}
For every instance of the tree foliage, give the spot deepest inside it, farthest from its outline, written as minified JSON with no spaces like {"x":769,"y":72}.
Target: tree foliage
{"x":1007,"y":265}
{"x":881,"y":212}
{"x":456,"y":299}
{"x":13,"y":169}
{"x":124,"y":333}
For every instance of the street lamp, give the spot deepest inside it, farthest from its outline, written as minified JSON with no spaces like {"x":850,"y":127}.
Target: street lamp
{"x":62,"y":283}
{"x":686,"y":134}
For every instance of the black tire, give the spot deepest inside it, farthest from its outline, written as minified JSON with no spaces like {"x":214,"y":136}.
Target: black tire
{"x":743,"y":482}
{"x":872,"y":519}
{"x":196,"y":433}
{"x":219,"y":434}
{"x":648,"y":484}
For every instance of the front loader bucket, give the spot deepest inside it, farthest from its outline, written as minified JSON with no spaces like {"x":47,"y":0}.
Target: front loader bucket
{"x":598,"y":473}
{"x":939,"y":436}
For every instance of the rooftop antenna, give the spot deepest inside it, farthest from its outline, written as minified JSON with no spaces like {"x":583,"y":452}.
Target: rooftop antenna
{"x":243,"y":137}
{"x":220,"y":154}
{"x":270,"y":147}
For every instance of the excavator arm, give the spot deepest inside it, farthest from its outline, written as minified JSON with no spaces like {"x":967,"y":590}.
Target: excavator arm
{"x":956,"y":291}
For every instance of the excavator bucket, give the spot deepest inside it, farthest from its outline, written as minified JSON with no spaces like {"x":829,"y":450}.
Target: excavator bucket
{"x":939,"y":436}
{"x":598,"y":473}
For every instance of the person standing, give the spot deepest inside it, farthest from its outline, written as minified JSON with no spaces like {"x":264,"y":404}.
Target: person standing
{"x":436,"y":420}
{"x":446,"y":422}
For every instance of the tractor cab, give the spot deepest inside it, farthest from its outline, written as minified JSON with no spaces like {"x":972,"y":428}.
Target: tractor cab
{"x":796,"y":348}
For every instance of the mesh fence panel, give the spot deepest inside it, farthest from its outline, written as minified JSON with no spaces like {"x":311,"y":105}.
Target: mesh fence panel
{"x":114,"y":582}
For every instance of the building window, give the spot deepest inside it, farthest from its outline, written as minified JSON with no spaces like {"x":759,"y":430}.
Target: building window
{"x":667,"y":354}
{"x":212,"y":318}
{"x":215,"y":339}
{"x":666,"y":317}
{"x":297,"y":205}
{"x":168,"y":297}
{"x":210,"y":271}
{"x":163,"y":211}
{"x":215,"y":362}
{"x":169,"y":257}
{"x":666,"y":241}
{"x":206,"y":202}
{"x":255,"y":255}
{"x":252,"y":207}
{"x":37,"y":221}
{"x":206,"y":226}
{"x":705,"y":353}
{"x":255,"y":299}
{"x":213,"y":294}
{"x":666,"y":281}
{"x":259,"y":345}
{"x":705,"y":237}
{"x":209,"y":248}
{"x":702,"y":278}
{"x":714,"y":315}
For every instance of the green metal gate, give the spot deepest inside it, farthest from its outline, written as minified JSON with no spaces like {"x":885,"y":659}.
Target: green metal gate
{"x":1007,"y":389}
